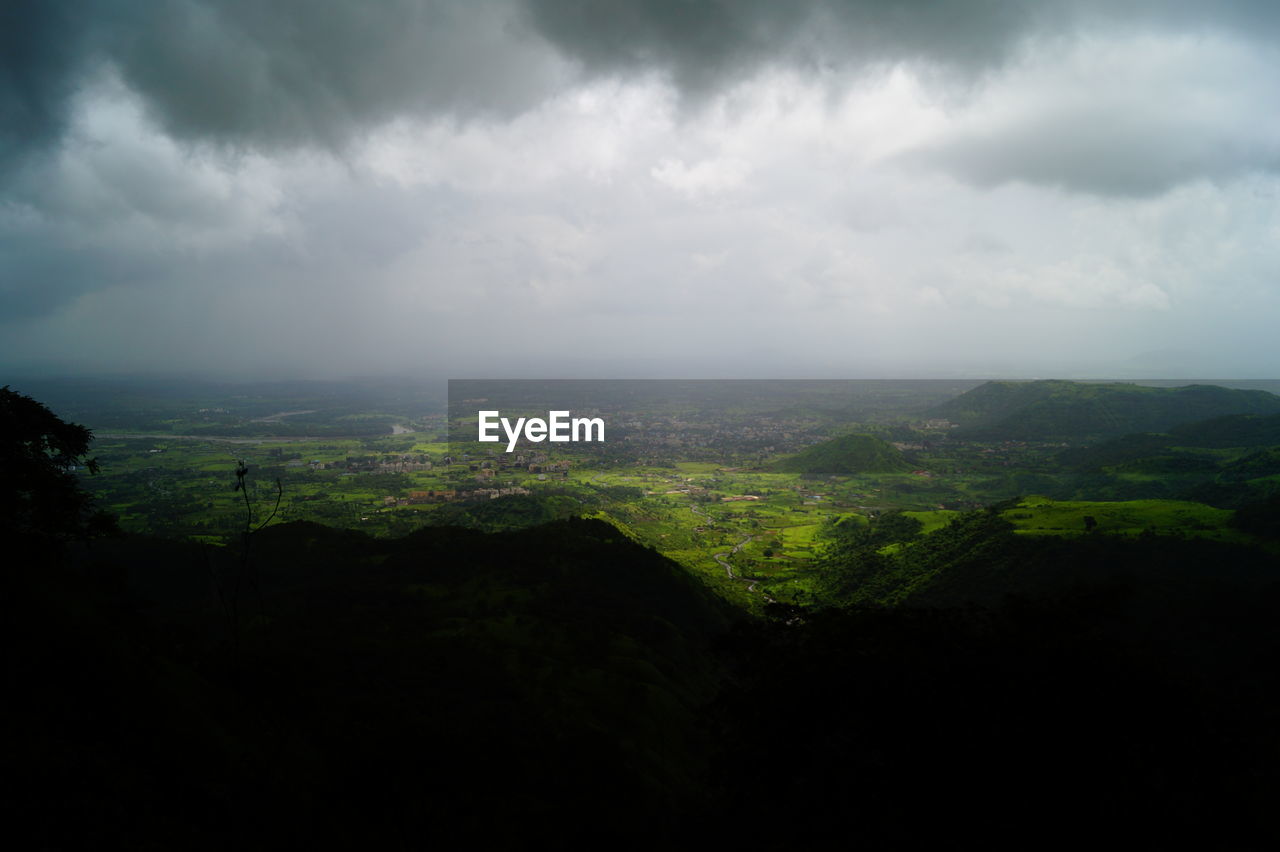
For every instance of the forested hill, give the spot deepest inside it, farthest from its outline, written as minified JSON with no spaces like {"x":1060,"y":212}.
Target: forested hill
{"x":1022,"y":686}
{"x":1237,"y":431}
{"x":335,"y":688}
{"x":847,"y":454}
{"x":1062,"y":410}
{"x":1240,"y":430}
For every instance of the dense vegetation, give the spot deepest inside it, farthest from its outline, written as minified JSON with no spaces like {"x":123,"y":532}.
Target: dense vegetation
{"x":847,"y":454}
{"x":1043,"y":723}
{"x":1229,"y":462}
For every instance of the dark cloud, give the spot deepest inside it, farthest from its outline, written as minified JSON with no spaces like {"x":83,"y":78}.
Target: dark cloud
{"x":43,"y":45}
{"x":705,"y":43}
{"x":294,"y":72}
{"x":297,"y":72}
{"x":1103,"y":154}
{"x":702,"y":44}
{"x":287,"y":73}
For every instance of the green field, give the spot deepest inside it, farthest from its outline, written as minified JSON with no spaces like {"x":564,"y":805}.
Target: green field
{"x":934,"y":520}
{"x":1042,"y":516}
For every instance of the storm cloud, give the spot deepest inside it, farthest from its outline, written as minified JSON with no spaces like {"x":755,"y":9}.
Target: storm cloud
{"x":287,"y":72}
{"x":868,"y":187}
{"x":271,"y":74}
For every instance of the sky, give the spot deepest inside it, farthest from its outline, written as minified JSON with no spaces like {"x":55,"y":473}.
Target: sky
{"x":616,"y":188}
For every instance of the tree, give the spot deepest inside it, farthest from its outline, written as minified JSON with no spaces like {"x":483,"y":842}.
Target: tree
{"x":229,"y":591}
{"x":40,"y":494}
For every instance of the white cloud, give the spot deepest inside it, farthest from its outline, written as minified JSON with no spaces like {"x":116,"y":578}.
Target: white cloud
{"x":708,"y":177}
{"x":1118,"y":116}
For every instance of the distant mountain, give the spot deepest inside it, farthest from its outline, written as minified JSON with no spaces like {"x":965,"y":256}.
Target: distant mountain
{"x":847,"y":454}
{"x":1062,"y":410}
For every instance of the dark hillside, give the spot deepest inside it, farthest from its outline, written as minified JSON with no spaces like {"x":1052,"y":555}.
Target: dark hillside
{"x":1241,"y":430}
{"x":1024,"y":726}
{"x":1224,"y":461}
{"x":1233,"y":431}
{"x":1025,"y":689}
{"x":396,"y":693}
{"x":981,"y":558}
{"x":1061,"y":410}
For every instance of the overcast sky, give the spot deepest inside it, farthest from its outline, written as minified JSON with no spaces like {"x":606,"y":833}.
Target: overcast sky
{"x":822,"y":188}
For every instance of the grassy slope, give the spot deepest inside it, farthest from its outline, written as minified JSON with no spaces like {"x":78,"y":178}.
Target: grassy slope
{"x":1039,"y":544}
{"x":1042,"y":516}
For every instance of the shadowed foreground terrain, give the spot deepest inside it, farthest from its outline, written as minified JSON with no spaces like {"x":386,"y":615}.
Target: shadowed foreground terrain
{"x":545,"y":682}
{"x":564,"y":685}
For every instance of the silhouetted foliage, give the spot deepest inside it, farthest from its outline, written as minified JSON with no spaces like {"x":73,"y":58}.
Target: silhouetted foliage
{"x":1262,"y":518}
{"x":1042,"y":723}
{"x":39,"y":492}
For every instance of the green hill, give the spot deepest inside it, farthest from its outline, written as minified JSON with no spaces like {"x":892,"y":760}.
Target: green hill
{"x":1061,"y":410}
{"x":1254,"y":465}
{"x":847,"y":454}
{"x":390,"y":692}
{"x":1238,"y":431}
{"x":1039,"y":546}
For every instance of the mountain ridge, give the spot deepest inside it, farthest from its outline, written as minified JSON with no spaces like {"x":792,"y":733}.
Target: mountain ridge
{"x":1057,"y":409}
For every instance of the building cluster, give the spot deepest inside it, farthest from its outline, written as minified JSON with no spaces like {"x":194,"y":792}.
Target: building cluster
{"x":495,"y":493}
{"x":450,"y":495}
{"x":404,"y":464}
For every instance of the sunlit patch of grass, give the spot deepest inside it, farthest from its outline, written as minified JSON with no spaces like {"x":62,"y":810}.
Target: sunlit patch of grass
{"x":1043,"y":516}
